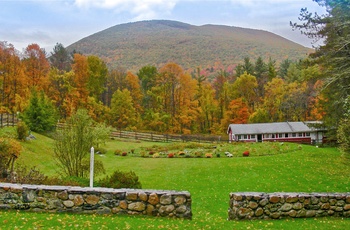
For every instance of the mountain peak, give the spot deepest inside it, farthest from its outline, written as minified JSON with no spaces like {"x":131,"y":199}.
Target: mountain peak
{"x":156,"y":42}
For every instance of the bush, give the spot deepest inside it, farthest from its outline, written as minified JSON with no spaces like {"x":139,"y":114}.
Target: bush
{"x":121,"y":179}
{"x":101,"y":150}
{"x":124,"y":154}
{"x":32,"y":176}
{"x":246,"y":153}
{"x":208,"y":155}
{"x":118,"y":152}
{"x":170,"y":155}
{"x":22,"y":131}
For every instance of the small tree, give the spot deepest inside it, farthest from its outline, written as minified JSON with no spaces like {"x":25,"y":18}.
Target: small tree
{"x":40,"y":115}
{"x":73,"y":143}
{"x":10,"y":150}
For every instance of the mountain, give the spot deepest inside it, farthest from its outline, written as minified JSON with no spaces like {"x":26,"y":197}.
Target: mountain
{"x":156,"y":42}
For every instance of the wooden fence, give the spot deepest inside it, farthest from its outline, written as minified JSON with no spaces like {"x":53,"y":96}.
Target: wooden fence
{"x":7,"y":119}
{"x":163,"y":137}
{"x":156,"y":137}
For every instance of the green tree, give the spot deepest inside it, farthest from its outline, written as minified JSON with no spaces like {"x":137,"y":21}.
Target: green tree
{"x":74,"y":141}
{"x":123,"y":113}
{"x":333,"y":55}
{"x":60,"y":58}
{"x":40,"y":115}
{"x":247,"y":66}
{"x":97,"y":71}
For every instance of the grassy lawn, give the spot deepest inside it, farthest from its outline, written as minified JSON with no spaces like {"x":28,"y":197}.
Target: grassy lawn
{"x":283,"y":168}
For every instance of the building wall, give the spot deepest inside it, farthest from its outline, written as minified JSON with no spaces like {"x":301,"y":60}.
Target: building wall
{"x":247,"y":205}
{"x":41,"y":198}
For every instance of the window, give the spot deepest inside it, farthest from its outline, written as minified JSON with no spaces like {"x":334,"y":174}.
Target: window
{"x":245,"y":137}
{"x":273,"y":135}
{"x":252,"y":136}
{"x":294,"y":135}
{"x":239,"y":137}
{"x":307,"y":134}
{"x":300,"y":134}
{"x":286,"y":135}
{"x":280,"y":135}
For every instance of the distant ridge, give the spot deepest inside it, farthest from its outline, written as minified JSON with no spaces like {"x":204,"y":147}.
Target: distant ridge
{"x":156,"y":42}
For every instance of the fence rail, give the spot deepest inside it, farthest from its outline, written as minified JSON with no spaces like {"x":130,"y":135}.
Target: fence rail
{"x":156,"y":137}
{"x":7,"y":119}
{"x":163,"y":137}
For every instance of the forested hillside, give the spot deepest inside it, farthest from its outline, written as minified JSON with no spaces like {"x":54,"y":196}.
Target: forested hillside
{"x":157,"y":42}
{"x":163,"y":99}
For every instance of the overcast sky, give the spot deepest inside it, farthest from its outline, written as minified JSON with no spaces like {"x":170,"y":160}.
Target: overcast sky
{"x":47,"y":22}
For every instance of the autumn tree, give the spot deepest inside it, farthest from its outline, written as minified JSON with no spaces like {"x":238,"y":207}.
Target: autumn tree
{"x":133,"y":85}
{"x":81,"y":78}
{"x":246,"y":86}
{"x":11,"y":79}
{"x":222,"y":86}
{"x":115,"y":80}
{"x":36,"y":67}
{"x":123,"y":113}
{"x":10,"y":150}
{"x":60,"y":91}
{"x":237,"y":113}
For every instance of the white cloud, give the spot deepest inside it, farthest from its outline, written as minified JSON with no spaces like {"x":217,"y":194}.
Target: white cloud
{"x":144,"y":9}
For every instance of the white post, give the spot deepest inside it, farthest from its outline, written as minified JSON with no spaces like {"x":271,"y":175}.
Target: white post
{"x":92,"y":167}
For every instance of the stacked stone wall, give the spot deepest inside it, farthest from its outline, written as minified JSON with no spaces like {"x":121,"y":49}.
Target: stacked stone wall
{"x":41,"y":198}
{"x":248,"y":205}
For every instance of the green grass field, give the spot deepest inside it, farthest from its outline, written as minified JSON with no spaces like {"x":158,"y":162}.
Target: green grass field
{"x":287,"y":168}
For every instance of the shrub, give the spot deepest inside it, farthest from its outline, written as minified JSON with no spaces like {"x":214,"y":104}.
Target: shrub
{"x":198,"y":154}
{"x":208,"y":155}
{"x":181,"y":153}
{"x":121,"y":179}
{"x":156,"y":155}
{"x":124,"y":154}
{"x":101,"y":150}
{"x":117,"y":152}
{"x":151,"y":153}
{"x":246,"y":153}
{"x":170,"y":155}
{"x":22,"y":131}
{"x":32,"y":176}
{"x":132,"y":151}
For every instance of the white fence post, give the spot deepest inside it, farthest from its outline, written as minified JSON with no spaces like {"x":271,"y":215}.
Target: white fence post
{"x":92,"y":167}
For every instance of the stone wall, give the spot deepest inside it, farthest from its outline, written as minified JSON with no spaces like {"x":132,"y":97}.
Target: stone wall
{"x":249,"y":205}
{"x":40,"y":198}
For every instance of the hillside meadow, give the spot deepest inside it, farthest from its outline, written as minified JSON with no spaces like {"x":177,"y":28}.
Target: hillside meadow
{"x":271,"y":167}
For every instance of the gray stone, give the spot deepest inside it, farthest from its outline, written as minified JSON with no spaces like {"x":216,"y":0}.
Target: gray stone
{"x":104,"y":211}
{"x":63,"y":195}
{"x":137,"y":206}
{"x":253,"y":205}
{"x":153,"y":199}
{"x":297,"y":206}
{"x":68,"y":203}
{"x":263,"y":202}
{"x":179,"y":200}
{"x":28,"y":196}
{"x":310,"y":213}
{"x":259,"y":212}
{"x":286,"y":207}
{"x":165,"y":199}
{"x":181,"y":209}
